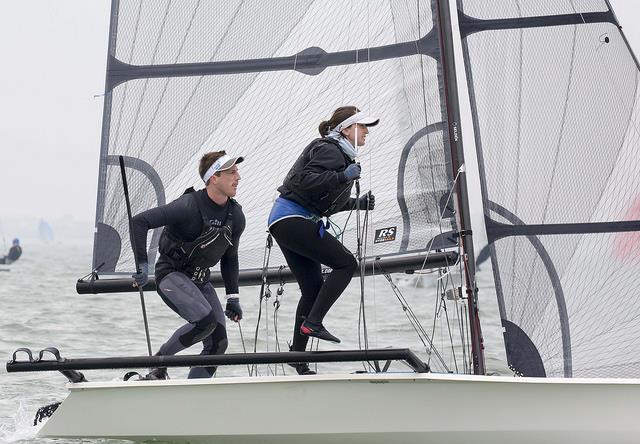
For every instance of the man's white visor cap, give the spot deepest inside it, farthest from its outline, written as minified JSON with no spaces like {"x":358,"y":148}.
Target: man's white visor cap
{"x":359,"y":117}
{"x":223,"y":163}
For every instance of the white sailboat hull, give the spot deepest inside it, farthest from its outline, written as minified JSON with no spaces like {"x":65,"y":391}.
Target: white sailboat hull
{"x":383,"y":408}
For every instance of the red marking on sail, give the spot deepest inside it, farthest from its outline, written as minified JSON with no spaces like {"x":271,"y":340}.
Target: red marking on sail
{"x":626,"y":246}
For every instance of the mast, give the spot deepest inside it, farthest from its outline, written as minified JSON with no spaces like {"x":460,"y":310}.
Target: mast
{"x":106,"y":124}
{"x":443,"y":17}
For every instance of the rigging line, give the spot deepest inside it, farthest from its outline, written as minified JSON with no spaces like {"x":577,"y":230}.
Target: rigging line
{"x":340,"y":195}
{"x":464,"y":339}
{"x":370,"y":163}
{"x":132,"y":241}
{"x":363,"y":270}
{"x":446,"y":315}
{"x":344,"y":227}
{"x":413,"y":318}
{"x":465,"y":332}
{"x":440,"y":306}
{"x":362,"y":276}
{"x":444,"y":207}
{"x":266,"y":330}
{"x":317,"y":347}
{"x":460,"y":324}
{"x":276,"y":305}
{"x":264,"y":288}
{"x":436,"y":309}
{"x":460,"y":169}
{"x":362,"y":323}
{"x":244,"y":348}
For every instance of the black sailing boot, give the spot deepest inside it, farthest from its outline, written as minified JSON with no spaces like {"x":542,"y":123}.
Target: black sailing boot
{"x":317,"y":330}
{"x":302,"y":368}
{"x":155,"y":374}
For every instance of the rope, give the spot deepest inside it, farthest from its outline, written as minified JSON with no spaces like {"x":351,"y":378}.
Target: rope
{"x":264,"y":293}
{"x":414,"y":321}
{"x":243,"y":347}
{"x":362,"y":318}
{"x":276,"y":307}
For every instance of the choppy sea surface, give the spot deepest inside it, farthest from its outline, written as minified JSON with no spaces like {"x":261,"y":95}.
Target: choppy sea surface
{"x":40,"y":308}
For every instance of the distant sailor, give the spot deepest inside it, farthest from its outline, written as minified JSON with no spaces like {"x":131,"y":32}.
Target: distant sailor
{"x":202,"y":228}
{"x":14,"y":253}
{"x":319,"y":184}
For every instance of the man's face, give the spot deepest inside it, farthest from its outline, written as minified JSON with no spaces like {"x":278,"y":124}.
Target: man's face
{"x":227,"y":182}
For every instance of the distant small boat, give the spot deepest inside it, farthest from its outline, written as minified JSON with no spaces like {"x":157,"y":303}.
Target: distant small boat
{"x":45,"y":230}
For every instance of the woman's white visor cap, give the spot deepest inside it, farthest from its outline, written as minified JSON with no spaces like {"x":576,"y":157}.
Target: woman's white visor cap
{"x":223,"y":163}
{"x":359,"y":117}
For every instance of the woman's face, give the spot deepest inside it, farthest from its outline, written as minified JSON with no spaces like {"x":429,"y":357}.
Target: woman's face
{"x":356,"y":133}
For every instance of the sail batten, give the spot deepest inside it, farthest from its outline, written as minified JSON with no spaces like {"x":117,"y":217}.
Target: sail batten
{"x":469,"y":25}
{"x":310,"y":61}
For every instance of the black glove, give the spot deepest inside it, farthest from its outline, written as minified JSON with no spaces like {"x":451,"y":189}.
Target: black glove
{"x":368,"y":201}
{"x":233,"y":310}
{"x":142,"y":277}
{"x":352,"y":172}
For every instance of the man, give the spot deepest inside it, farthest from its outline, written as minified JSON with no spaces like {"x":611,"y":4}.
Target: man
{"x":202,"y":228}
{"x":14,"y":253}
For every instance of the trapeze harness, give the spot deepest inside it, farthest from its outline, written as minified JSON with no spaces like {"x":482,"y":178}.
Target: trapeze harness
{"x":195,"y":257}
{"x":322,"y":203}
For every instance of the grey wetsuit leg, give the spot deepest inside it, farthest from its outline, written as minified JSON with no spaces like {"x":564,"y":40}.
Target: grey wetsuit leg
{"x":200,"y":307}
{"x":216,"y":343}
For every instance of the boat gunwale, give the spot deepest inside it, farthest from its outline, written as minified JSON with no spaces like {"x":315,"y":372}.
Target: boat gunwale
{"x":353,"y":377}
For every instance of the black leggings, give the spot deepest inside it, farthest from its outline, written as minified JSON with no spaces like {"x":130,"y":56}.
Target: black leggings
{"x":305,"y":252}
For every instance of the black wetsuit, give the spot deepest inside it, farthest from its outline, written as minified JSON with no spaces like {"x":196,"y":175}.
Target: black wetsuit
{"x":14,"y":254}
{"x":316,"y":181}
{"x":182,"y":269}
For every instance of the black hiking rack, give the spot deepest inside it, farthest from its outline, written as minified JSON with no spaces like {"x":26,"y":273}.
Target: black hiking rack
{"x":394,"y":264}
{"x":70,"y":367}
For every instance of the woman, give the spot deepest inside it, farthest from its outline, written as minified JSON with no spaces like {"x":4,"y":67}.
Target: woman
{"x":318,"y":185}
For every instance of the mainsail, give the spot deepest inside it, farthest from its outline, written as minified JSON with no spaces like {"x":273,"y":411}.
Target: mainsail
{"x":255,"y":78}
{"x":555,"y":104}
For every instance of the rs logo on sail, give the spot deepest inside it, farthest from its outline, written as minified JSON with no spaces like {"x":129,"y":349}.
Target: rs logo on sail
{"x":385,"y":235}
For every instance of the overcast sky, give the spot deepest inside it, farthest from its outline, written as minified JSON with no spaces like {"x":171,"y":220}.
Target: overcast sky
{"x":53,"y":64}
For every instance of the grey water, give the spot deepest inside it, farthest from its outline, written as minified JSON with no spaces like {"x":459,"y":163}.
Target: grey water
{"x":40,"y":308}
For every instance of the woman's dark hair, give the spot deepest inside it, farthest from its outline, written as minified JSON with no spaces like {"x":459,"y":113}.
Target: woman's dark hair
{"x":339,"y":115}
